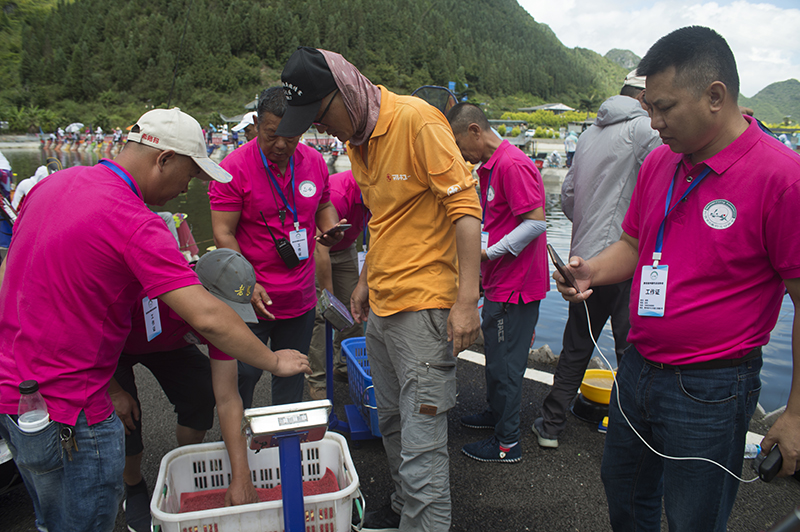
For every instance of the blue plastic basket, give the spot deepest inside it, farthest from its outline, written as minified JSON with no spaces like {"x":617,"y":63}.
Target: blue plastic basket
{"x":362,"y":393}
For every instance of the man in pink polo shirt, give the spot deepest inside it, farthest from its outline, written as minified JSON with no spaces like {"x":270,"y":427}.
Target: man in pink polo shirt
{"x":337,"y":271}
{"x":65,"y":327}
{"x":514,"y":275}
{"x":270,"y":212}
{"x":710,"y":240}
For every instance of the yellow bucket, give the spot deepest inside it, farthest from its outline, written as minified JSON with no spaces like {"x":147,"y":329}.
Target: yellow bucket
{"x":596,"y":385}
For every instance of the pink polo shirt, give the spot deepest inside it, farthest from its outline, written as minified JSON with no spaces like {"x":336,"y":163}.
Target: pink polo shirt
{"x":84,"y":247}
{"x":511,"y":186}
{"x":728,"y":245}
{"x":346,"y":197}
{"x":292,"y":291}
{"x":175,"y":334}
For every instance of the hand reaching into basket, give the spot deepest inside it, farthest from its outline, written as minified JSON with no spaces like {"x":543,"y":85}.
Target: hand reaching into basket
{"x":241,"y":491}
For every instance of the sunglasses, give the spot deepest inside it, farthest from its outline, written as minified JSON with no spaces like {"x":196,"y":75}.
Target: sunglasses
{"x":318,"y":121}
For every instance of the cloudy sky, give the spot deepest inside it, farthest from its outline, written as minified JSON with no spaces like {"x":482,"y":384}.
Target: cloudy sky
{"x":762,"y":35}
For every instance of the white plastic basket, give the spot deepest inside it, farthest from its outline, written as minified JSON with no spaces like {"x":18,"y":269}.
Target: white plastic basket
{"x":206,"y":466}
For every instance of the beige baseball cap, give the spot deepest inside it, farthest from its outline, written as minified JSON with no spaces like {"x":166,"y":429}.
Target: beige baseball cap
{"x":634,"y":80}
{"x":172,"y":129}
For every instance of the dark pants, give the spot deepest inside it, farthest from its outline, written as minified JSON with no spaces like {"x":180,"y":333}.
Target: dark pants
{"x":507,"y":332}
{"x":606,"y":301}
{"x":679,"y":412}
{"x":185,"y":376}
{"x":291,"y":333}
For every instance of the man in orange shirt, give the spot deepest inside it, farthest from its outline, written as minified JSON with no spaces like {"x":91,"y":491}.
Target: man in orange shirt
{"x":419,"y":284}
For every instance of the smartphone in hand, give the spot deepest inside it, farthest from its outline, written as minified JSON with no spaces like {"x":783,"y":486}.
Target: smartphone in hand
{"x":561,"y":267}
{"x":330,"y":232}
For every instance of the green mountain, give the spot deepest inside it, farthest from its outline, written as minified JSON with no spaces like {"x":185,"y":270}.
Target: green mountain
{"x":624,"y":58}
{"x":775,"y":102}
{"x":111,"y":60}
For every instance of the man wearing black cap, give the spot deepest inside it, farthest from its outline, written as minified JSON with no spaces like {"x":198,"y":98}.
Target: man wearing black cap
{"x":419,"y":284}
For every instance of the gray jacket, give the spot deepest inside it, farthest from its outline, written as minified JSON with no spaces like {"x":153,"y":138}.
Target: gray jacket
{"x":598,"y":187}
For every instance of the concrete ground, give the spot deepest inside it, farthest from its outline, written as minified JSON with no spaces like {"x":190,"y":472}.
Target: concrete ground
{"x":550,"y":490}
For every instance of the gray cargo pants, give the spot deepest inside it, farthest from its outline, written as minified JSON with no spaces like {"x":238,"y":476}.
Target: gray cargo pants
{"x":414,"y":374}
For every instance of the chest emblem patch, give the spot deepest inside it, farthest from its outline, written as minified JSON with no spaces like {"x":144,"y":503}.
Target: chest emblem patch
{"x":307,"y":189}
{"x":719,"y":214}
{"x":490,"y":194}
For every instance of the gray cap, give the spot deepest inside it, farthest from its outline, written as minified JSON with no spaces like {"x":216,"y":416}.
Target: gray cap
{"x":231,"y":278}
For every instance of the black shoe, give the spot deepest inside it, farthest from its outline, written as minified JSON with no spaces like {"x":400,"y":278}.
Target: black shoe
{"x":490,"y":450}
{"x":137,"y":508}
{"x":383,"y":519}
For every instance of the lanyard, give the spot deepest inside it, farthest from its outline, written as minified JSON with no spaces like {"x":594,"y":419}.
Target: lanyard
{"x":668,"y":209}
{"x":280,"y":192}
{"x":114,"y":168}
{"x":486,"y":197}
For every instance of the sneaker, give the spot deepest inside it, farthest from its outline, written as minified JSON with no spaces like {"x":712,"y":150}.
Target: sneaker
{"x":484,"y":420}
{"x":545,"y":439}
{"x":317,"y":393}
{"x":490,"y":450}
{"x":137,"y":508}
{"x":383,"y":519}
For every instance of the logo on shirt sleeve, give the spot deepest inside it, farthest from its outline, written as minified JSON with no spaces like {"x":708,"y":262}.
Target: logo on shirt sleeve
{"x":452,"y":190}
{"x":719,"y":214}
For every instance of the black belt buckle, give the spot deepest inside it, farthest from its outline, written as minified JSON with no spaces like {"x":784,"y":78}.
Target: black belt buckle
{"x":657,"y":365}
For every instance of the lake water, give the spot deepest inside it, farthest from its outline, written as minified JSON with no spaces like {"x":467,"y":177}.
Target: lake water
{"x":775,"y":375}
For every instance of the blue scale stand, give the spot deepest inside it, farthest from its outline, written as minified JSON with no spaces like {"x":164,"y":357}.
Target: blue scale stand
{"x":355,"y":426}
{"x":285,"y":427}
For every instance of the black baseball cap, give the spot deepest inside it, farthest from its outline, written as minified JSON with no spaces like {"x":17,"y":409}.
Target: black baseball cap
{"x":306,"y":81}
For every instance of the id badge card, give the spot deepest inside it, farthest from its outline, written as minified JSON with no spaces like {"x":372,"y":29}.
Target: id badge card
{"x":362,"y":258}
{"x":484,"y":240}
{"x":152,"y":317}
{"x":653,"y":291}
{"x":299,"y":243}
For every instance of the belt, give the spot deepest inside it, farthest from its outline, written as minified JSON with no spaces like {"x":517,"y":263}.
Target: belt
{"x":711,"y":364}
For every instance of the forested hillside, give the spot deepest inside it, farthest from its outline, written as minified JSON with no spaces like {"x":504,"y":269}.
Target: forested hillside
{"x":624,"y":58}
{"x":115,"y":58}
{"x":775,"y":102}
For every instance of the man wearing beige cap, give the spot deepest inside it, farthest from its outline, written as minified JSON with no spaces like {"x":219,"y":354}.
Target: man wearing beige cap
{"x":595,"y":196}
{"x":65,"y":327}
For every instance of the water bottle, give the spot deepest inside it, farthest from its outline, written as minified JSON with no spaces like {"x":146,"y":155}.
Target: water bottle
{"x":32,"y":411}
{"x":751,"y":450}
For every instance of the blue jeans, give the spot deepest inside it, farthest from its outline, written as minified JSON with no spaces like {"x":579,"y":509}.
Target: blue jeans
{"x":291,"y":333}
{"x":78,"y":495}
{"x":507,"y":332}
{"x":679,"y":413}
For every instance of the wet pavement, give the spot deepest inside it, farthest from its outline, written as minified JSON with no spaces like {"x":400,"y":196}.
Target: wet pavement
{"x":549,"y":490}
